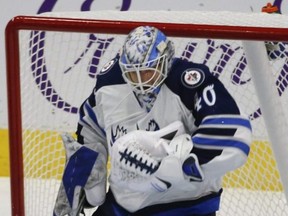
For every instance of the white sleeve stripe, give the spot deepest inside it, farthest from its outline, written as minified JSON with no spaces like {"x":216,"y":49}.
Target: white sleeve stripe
{"x":220,"y":143}
{"x":225,"y":120}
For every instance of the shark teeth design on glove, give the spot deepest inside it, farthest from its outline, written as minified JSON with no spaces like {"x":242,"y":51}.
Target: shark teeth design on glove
{"x":138,"y":161}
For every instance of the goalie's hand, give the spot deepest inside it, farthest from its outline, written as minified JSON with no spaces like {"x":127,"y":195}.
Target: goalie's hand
{"x":192,"y":169}
{"x":141,"y":151}
{"x":136,"y":156}
{"x":84,"y":177}
{"x":141,"y":159}
{"x":181,"y":146}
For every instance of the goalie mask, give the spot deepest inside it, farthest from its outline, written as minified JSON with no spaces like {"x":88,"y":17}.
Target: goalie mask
{"x":145,"y":59}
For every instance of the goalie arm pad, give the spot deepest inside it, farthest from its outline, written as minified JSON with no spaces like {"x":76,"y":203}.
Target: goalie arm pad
{"x":233,"y":143}
{"x":85,"y":173}
{"x":90,"y":129}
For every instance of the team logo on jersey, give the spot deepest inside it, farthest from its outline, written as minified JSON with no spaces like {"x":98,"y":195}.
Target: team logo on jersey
{"x":117,"y":133}
{"x":192,"y":78}
{"x":152,"y":126}
{"x":107,"y":67}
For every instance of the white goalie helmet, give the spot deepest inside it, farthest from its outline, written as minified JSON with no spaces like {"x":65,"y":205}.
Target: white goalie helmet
{"x":146,"y":58}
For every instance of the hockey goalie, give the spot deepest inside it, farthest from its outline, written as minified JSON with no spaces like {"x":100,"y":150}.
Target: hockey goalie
{"x":170,"y":129}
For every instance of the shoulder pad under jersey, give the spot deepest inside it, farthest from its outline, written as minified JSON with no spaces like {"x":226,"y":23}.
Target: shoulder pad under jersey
{"x":110,"y":74}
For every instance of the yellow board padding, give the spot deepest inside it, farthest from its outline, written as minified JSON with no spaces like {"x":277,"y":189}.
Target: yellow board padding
{"x":259,"y":173}
{"x":4,"y":153}
{"x":44,"y":157}
{"x":44,"y":154}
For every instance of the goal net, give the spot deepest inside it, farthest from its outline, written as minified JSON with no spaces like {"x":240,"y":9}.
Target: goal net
{"x":52,"y":64}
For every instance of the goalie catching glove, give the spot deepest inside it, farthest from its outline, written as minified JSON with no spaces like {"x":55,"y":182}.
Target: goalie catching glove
{"x":181,"y":146}
{"x":155,"y":161}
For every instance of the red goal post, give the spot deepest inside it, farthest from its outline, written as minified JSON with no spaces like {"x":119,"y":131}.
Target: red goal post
{"x":251,"y":32}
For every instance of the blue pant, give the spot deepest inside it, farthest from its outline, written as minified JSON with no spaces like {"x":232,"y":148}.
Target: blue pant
{"x":205,"y":206}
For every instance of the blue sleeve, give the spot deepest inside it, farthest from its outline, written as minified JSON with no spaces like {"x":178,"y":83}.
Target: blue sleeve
{"x":216,"y":113}
{"x":200,"y":91}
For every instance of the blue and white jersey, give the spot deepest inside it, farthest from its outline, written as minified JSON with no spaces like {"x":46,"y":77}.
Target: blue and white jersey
{"x":220,"y":132}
